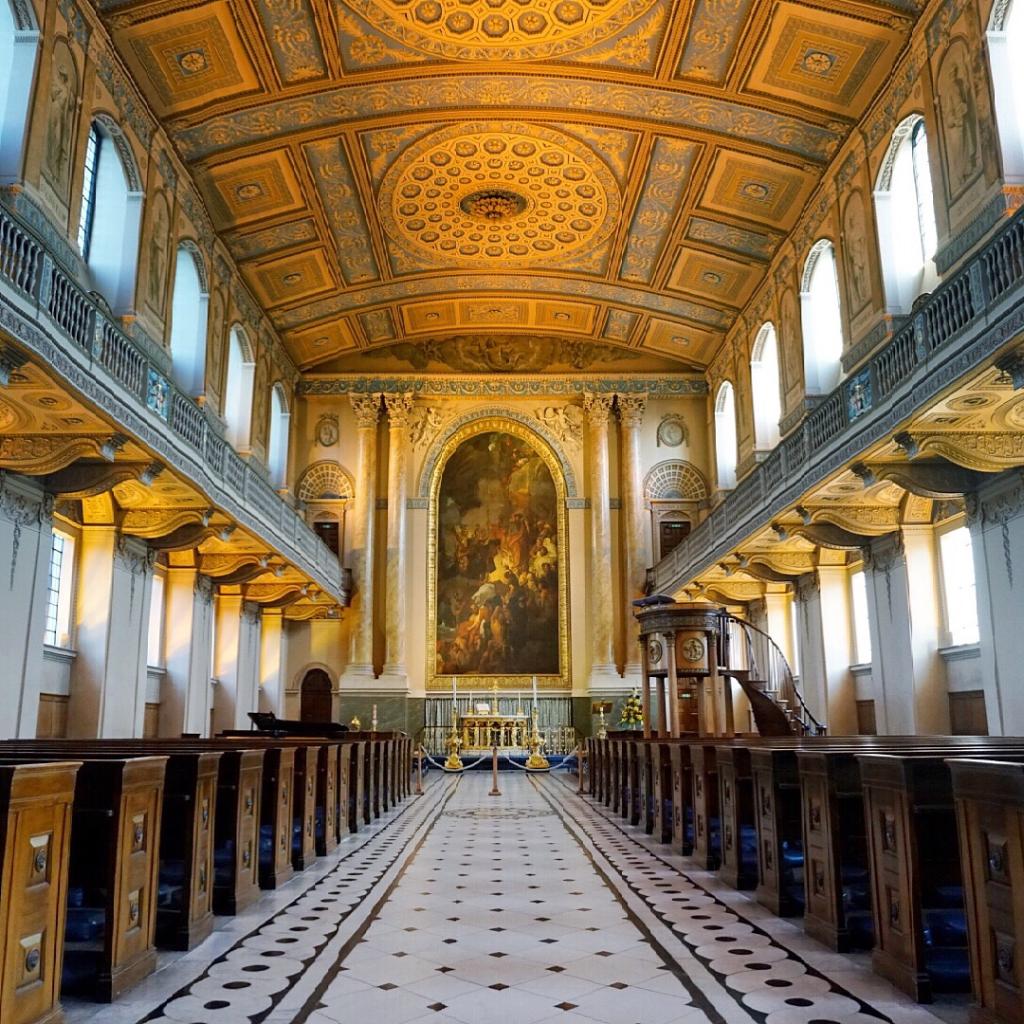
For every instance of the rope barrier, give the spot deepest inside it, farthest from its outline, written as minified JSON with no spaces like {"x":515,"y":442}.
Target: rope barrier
{"x":454,"y":771}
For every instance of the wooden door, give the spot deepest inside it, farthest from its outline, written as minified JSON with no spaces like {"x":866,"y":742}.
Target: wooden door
{"x":316,"y":697}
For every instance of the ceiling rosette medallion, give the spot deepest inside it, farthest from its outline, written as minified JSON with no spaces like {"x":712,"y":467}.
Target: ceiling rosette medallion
{"x":492,"y":194}
{"x":489,"y":30}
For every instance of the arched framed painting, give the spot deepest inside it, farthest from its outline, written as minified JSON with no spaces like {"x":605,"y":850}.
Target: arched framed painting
{"x":497,"y":610}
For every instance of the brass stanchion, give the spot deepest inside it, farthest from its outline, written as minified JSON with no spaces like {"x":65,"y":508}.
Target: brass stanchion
{"x":494,"y":772}
{"x":536,"y":760}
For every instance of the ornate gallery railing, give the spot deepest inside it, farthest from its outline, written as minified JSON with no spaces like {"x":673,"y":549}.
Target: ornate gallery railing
{"x":956,"y":328}
{"x":28,"y":269}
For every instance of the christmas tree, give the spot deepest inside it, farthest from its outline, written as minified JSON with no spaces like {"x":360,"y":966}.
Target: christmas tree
{"x":632,"y":713}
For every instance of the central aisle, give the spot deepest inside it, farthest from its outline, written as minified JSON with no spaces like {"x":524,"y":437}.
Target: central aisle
{"x":502,"y":917}
{"x":532,"y":907}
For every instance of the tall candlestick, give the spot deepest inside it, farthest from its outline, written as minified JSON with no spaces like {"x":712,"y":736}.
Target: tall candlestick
{"x":534,"y":691}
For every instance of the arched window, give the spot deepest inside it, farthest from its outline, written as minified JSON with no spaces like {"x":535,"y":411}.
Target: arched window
{"x":905,"y":211}
{"x":108,"y":223}
{"x":1005,"y":46}
{"x":764,"y":380}
{"x":238,"y":392}
{"x":277,"y":439}
{"x":189,"y":308}
{"x":821,"y":320}
{"x":725,"y":435}
{"x":18,"y":46}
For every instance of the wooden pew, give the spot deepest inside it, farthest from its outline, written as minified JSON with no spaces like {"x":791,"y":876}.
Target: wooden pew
{"x":682,"y":797}
{"x":738,"y":824}
{"x":592,"y":755}
{"x":112,"y":874}
{"x":707,"y":832}
{"x":35,"y":844}
{"x":661,"y":791}
{"x":916,"y":872}
{"x":989,"y":800}
{"x":184,"y":906}
{"x":632,"y":750}
{"x":836,"y":834}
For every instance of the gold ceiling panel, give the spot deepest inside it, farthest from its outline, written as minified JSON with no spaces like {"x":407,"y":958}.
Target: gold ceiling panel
{"x":500,"y":30}
{"x":496,"y":194}
{"x":255,"y":188}
{"x":613,"y":170}
{"x":756,"y":189}
{"x":291,"y":278}
{"x":189,"y":57}
{"x":320,"y":342}
{"x":829,"y":59}
{"x":728,"y":281}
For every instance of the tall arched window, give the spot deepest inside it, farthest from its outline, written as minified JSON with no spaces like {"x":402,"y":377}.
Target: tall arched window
{"x":189,"y":308}
{"x":905,"y":210}
{"x":725,"y":435}
{"x":238,"y":391}
{"x":764,"y":380}
{"x":821,"y":320}
{"x":1005,"y":46}
{"x":108,"y":224}
{"x":277,"y":439}
{"x":18,"y":46}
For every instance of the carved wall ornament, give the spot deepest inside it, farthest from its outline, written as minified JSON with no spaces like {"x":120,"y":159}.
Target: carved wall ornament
{"x":61,"y":118}
{"x":424,"y":425}
{"x":985,"y":451}
{"x":672,"y":431}
{"x":564,"y":421}
{"x":39,"y":454}
{"x":1002,"y":509}
{"x":326,"y":431}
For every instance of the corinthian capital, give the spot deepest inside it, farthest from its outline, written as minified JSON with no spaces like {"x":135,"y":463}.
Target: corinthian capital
{"x":366,"y":409}
{"x":399,"y":406}
{"x":597,"y":407}
{"x":631,"y":409}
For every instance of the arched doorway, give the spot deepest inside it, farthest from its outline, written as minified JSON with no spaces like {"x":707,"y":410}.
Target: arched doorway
{"x":316,"y":697}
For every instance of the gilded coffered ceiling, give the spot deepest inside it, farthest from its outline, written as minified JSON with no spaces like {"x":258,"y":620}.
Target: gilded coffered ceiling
{"x":617,"y":172}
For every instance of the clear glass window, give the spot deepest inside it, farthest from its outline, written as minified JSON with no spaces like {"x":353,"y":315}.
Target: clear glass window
{"x":861,"y":619}
{"x":959,"y":593}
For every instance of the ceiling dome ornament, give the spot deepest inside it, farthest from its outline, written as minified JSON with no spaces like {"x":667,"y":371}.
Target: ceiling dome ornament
{"x":491,"y":194}
{"x":496,"y":30}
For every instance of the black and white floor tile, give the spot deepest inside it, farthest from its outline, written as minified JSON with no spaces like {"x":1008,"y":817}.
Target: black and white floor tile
{"x":533,"y":907}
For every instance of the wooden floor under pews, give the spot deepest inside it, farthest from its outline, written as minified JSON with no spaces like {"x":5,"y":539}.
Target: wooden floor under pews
{"x":112,"y":850}
{"x":910,"y":849}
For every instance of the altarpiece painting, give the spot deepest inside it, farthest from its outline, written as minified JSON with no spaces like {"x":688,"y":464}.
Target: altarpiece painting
{"x":498,"y":572}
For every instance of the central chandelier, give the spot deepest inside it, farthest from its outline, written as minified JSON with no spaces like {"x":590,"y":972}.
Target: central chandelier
{"x":493,"y":204}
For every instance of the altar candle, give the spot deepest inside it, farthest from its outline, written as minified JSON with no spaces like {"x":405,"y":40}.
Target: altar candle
{"x":534,"y":691}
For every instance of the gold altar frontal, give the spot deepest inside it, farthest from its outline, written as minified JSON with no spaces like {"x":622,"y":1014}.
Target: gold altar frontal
{"x":475,"y":730}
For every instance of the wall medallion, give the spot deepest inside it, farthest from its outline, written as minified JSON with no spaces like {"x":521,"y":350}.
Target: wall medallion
{"x":327,"y":430}
{"x":671,"y":431}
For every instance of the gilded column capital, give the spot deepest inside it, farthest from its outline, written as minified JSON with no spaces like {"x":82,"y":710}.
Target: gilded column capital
{"x":597,"y":408}
{"x":631,"y":410}
{"x":366,"y":409}
{"x":399,"y":407}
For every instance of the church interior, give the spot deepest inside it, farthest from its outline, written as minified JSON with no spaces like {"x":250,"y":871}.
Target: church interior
{"x":512,"y":511}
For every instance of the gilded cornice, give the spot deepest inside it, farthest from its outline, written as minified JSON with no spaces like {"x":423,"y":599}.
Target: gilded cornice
{"x":463,"y":386}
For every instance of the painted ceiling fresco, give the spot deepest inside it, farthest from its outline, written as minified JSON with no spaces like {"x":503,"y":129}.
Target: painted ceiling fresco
{"x":395,"y":172}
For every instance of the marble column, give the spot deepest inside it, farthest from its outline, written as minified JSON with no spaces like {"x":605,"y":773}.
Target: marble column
{"x":25,"y":537}
{"x":236,"y":662}
{"x":631,"y":417}
{"x":603,"y":673}
{"x":367,"y":412}
{"x":108,"y":679}
{"x":188,"y":634}
{"x":399,"y":409}
{"x":273,"y":657}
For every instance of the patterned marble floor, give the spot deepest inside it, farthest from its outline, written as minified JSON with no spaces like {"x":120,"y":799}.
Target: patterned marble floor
{"x":528,"y":908}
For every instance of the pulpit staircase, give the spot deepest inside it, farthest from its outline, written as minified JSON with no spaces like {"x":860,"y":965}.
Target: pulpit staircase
{"x":767,"y":680}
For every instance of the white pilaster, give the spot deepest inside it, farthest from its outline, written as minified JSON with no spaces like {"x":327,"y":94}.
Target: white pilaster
{"x":188,"y":633}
